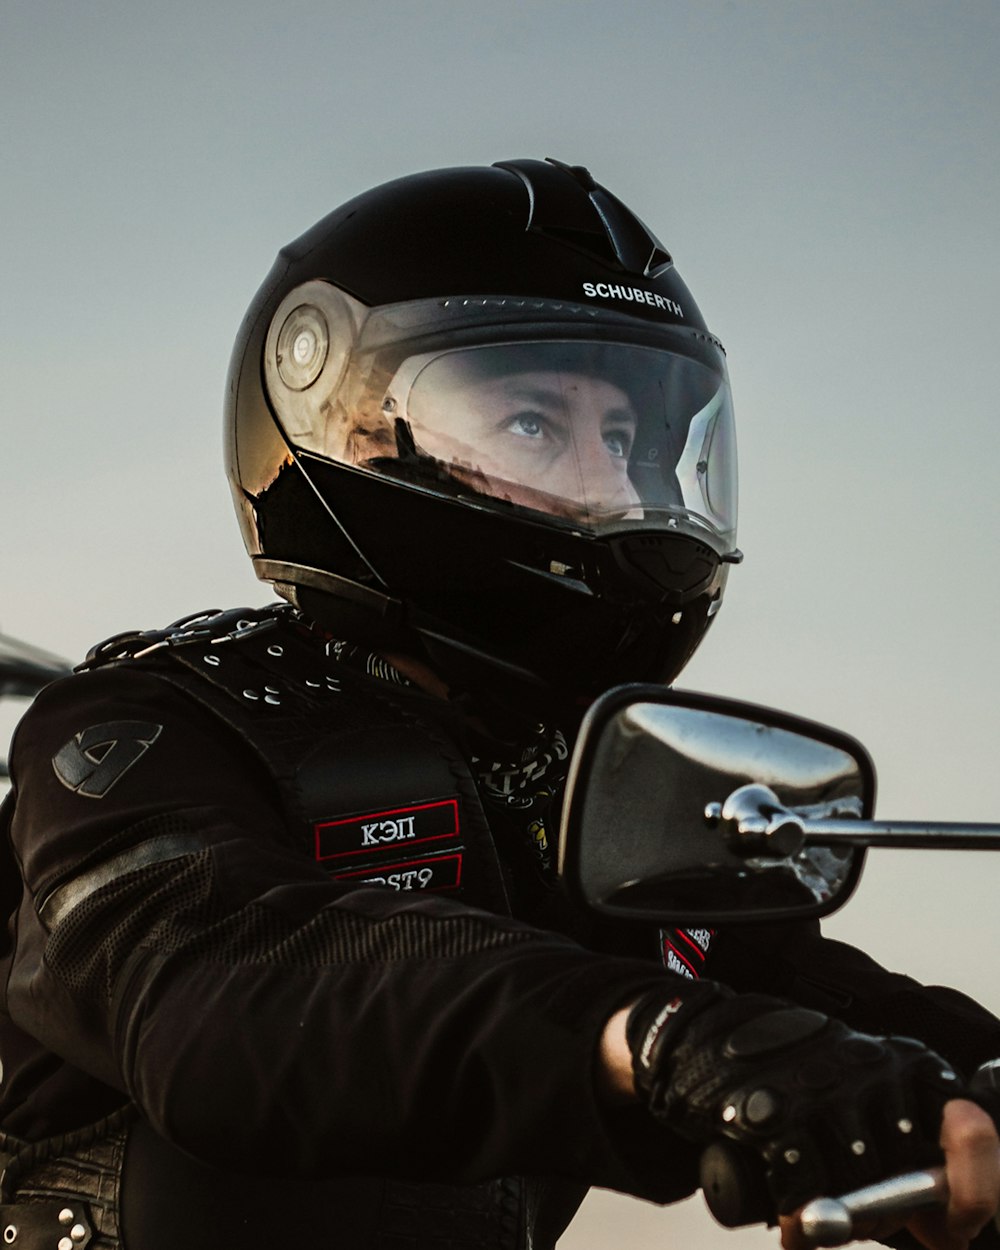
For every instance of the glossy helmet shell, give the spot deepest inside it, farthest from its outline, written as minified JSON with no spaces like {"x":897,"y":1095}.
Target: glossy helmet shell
{"x":493,"y":597}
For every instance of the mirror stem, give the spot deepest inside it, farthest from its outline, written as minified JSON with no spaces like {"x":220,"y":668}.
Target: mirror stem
{"x":754,"y":823}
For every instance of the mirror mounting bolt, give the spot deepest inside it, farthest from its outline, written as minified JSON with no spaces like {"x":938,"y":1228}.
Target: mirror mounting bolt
{"x":754,"y":822}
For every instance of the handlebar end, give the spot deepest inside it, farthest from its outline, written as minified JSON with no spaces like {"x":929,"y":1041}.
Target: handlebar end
{"x":826,"y":1222}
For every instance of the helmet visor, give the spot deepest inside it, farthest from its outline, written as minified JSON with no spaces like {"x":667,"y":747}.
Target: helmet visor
{"x":580,"y":416}
{"x":595,"y":433}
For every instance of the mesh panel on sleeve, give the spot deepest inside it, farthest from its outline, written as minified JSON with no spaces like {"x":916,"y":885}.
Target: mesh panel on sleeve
{"x":89,"y":947}
{"x":173,"y":908}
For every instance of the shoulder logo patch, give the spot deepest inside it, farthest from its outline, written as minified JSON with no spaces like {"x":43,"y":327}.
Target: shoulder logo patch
{"x":95,"y":759}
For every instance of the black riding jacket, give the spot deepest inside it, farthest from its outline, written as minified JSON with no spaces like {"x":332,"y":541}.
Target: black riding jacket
{"x":265,"y":904}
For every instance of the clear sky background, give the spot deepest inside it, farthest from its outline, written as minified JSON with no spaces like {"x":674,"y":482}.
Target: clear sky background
{"x":826,"y":176}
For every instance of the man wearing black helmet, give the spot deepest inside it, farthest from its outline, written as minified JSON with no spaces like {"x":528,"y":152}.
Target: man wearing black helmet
{"x":290,"y":964}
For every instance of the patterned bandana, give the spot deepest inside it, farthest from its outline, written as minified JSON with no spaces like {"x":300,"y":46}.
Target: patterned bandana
{"x":523,"y":789}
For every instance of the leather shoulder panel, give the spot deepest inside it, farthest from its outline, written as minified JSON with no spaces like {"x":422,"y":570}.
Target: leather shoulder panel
{"x":375,"y":787}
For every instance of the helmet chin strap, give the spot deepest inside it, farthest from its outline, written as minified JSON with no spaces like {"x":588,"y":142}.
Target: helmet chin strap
{"x":421,"y":674}
{"x":506,"y":702}
{"x":498,"y":699}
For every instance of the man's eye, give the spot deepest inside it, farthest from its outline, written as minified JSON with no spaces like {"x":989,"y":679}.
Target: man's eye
{"x":618,"y":442}
{"x":527,"y":425}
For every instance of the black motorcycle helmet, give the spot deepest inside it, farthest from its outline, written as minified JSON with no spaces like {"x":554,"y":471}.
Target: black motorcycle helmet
{"x":475,"y":415}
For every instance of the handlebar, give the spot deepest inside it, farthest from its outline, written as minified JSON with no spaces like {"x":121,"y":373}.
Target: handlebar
{"x":735,"y":1188}
{"x":831,"y":1221}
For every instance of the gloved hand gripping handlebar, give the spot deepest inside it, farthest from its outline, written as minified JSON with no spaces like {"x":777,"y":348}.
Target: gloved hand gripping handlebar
{"x":811,"y":1106}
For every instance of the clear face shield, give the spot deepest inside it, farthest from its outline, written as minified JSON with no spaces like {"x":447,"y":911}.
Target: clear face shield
{"x":586,"y":429}
{"x":593,"y":433}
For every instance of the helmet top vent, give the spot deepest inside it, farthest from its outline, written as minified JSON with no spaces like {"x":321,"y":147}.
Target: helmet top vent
{"x":566,"y":204}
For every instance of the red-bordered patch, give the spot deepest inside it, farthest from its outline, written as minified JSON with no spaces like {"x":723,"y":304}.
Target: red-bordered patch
{"x":386,"y":832}
{"x":435,"y":872}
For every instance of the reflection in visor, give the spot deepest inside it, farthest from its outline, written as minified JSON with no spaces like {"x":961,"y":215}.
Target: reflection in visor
{"x":595,"y":432}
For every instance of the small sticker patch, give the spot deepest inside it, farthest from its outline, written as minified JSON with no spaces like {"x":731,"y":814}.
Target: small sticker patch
{"x":94,"y":760}
{"x":684,"y":950}
{"x":399,"y":828}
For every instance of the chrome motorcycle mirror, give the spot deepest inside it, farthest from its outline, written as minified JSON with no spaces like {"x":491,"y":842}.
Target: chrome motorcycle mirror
{"x":694,"y":809}
{"x":686,"y":807}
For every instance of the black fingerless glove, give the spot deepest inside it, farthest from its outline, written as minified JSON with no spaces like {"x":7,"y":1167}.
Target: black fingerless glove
{"x":825,"y":1109}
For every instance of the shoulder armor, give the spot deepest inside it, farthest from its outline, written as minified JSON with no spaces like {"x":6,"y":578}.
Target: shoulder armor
{"x":213,"y":626}
{"x":244,"y":662}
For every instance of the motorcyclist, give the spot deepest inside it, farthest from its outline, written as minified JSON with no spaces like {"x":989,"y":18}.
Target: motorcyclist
{"x":290,"y":963}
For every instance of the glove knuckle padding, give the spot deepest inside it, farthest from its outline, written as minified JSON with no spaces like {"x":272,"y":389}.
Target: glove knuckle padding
{"x":825,"y":1108}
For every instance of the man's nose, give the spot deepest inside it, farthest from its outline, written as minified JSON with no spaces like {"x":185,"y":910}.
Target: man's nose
{"x":604,"y":479}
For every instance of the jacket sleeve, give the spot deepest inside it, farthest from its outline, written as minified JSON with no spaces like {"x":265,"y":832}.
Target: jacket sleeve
{"x":254,"y":1009}
{"x":797,"y":962}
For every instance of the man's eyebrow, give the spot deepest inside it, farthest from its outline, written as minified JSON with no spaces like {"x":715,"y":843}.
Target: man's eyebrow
{"x":536,"y":394}
{"x":554,"y":396}
{"x":627,"y":415}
